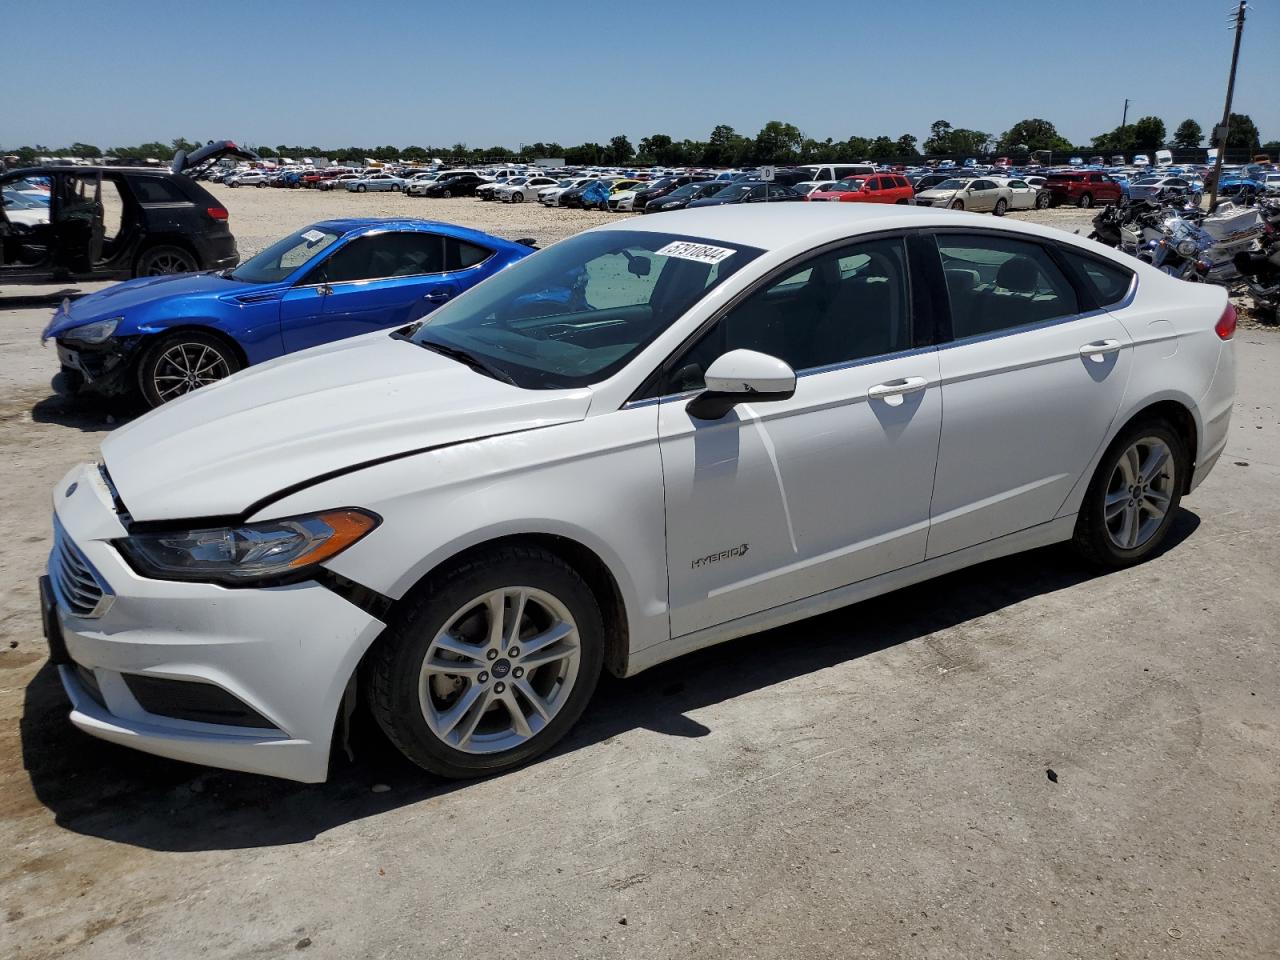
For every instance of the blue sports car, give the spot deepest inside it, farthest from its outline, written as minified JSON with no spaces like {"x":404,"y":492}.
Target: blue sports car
{"x":166,"y":336}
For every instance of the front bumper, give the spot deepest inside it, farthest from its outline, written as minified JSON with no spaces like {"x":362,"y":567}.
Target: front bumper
{"x":284,"y":653}
{"x":104,"y":369}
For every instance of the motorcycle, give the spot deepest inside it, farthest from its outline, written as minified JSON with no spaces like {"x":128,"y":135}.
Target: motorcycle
{"x":1261,"y":268}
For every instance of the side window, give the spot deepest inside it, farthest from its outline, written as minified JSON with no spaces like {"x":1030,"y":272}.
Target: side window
{"x":1110,"y":281}
{"x":156,"y":190}
{"x":999,"y":282}
{"x":873,"y":183}
{"x":384,"y":255}
{"x":1017,"y":184}
{"x":459,"y":254}
{"x":847,"y":304}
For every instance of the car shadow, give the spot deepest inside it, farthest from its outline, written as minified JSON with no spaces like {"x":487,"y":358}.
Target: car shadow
{"x":81,"y":415}
{"x":105,"y":791}
{"x":15,"y":297}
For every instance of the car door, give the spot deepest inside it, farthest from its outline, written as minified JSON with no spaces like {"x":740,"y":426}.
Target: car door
{"x":1022,"y":196}
{"x":373,"y":282}
{"x":981,"y":196}
{"x":1031,"y":380}
{"x":784,"y":500}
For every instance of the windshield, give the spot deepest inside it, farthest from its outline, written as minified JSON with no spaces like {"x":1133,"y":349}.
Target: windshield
{"x":952,"y":184}
{"x":576,"y":313}
{"x":733,"y":192}
{"x":847,"y":186}
{"x":285,"y":256}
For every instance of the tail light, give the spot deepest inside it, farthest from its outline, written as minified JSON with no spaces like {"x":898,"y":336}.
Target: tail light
{"x":1225,"y":328}
{"x":216,"y":213}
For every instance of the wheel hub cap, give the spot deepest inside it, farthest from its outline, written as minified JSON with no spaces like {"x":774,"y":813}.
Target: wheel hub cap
{"x":1139,"y":493}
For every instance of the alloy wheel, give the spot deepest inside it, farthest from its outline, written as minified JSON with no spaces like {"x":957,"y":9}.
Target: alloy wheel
{"x":498,"y":671}
{"x":168,"y":261}
{"x":1139,"y":493}
{"x":184,"y":367}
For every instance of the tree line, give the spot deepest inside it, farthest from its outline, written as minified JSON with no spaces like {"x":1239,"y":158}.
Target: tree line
{"x":777,"y":143}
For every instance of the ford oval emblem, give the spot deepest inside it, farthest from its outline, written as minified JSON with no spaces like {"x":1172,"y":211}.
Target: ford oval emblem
{"x":71,"y":489}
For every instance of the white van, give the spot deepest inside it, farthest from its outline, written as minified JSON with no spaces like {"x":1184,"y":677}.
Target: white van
{"x":815,"y":172}
{"x":1164,"y":158}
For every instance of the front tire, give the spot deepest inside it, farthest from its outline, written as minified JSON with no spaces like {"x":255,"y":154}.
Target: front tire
{"x":517,"y":197}
{"x":1086,"y":201}
{"x":1134,"y":494}
{"x":489,"y":663}
{"x":957,"y":204}
{"x":361,"y":188}
{"x":1001,"y":207}
{"x":1042,"y":200}
{"x":182,"y":362}
{"x":446,"y":194}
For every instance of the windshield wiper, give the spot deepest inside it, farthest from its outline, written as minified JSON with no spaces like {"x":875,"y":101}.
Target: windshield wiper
{"x":470,"y":359}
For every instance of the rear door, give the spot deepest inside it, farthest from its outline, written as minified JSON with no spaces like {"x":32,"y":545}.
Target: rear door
{"x":372,"y":282}
{"x":1031,"y":382}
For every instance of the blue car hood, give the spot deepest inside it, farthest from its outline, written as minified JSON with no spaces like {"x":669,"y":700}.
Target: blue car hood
{"x":143,"y":292}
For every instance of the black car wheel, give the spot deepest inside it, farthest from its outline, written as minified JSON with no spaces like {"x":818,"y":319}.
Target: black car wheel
{"x":1086,"y":201}
{"x":360,"y":188}
{"x":1042,"y":199}
{"x":157,"y":261}
{"x":184,"y":361}
{"x":1001,"y":207}
{"x":446,"y":194}
{"x":261,"y":184}
{"x":489,"y":663}
{"x":517,"y":197}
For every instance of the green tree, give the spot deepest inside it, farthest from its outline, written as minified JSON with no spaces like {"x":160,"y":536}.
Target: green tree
{"x":1242,"y":134}
{"x":655,"y":148}
{"x":722,"y":147}
{"x":1033,"y":134}
{"x":778,"y":142}
{"x":855,"y":148}
{"x":939,"y":139}
{"x":905,"y":147}
{"x":619,"y":150}
{"x":1148,"y":134}
{"x":1187,"y":136}
{"x":881,"y":148}
{"x":78,"y":149}
{"x":584,"y":154}
{"x":1271,"y":147}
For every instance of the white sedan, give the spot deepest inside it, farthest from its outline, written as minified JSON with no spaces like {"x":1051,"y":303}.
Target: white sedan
{"x":550,"y":196}
{"x":1021,"y":194}
{"x":520,"y":189}
{"x":377,"y":182}
{"x":649,"y":438}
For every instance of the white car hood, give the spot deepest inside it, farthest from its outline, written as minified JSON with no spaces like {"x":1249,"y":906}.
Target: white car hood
{"x":221,"y":449}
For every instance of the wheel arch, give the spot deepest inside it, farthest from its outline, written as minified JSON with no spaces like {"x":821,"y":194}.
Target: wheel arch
{"x":1177,"y":414}
{"x":586,"y":561}
{"x":153,"y":240}
{"x":156,"y":333}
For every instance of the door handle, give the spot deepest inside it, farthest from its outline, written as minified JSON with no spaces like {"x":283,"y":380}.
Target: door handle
{"x":1099,"y":348}
{"x":437,"y":296}
{"x":897,"y":388}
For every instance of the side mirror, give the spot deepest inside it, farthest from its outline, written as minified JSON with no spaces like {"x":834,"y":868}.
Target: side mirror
{"x":742,"y":376}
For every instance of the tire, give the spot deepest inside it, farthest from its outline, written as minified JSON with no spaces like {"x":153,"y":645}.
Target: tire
{"x":1042,"y":200}
{"x":164,"y":259}
{"x":261,"y":184}
{"x":451,"y":607}
{"x":1000,"y":208}
{"x":396,"y":187}
{"x":517,"y":197}
{"x":183,"y":354}
{"x":1085,"y":201}
{"x":361,"y":188}
{"x":957,"y":204}
{"x":1133,"y":532}
{"x":446,"y":194}
{"x":233,"y":185}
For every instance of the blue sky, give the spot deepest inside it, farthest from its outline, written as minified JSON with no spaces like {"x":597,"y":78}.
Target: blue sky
{"x":430,"y":73}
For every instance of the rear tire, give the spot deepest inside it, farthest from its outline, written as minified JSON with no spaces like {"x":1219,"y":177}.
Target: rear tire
{"x":164,"y":259}
{"x":1000,"y":208}
{"x":1086,"y":201}
{"x":1118,"y":525}
{"x":422,"y":706}
{"x":446,"y":194}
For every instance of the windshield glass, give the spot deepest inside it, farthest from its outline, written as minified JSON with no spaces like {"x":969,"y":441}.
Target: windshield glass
{"x":733,"y":192}
{"x":285,"y":256}
{"x":846,"y":186}
{"x":576,"y":313}
{"x":952,"y":184}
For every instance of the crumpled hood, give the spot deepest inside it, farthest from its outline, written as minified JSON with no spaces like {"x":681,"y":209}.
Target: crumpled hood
{"x":117,"y":300}
{"x":223,"y":448}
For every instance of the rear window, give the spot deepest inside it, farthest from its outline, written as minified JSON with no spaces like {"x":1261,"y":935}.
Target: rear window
{"x":459,"y":254}
{"x":1109,"y":281}
{"x":157,"y":190}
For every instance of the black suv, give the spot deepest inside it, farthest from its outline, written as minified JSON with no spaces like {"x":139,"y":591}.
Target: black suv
{"x":112,"y":223}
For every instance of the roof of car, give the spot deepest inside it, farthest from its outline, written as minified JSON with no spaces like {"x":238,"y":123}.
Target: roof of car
{"x":348,"y":224}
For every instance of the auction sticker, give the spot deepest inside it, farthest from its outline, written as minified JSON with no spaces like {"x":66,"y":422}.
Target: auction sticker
{"x":313,"y":236}
{"x":701,"y":252}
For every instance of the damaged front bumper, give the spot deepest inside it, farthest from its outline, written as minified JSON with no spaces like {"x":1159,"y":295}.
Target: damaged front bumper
{"x":104,"y":369}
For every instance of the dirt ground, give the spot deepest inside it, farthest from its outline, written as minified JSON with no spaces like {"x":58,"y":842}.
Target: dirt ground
{"x":870,"y":784}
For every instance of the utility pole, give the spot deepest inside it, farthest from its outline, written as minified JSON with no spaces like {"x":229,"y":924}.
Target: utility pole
{"x":1220,"y":134}
{"x":1124,"y":120}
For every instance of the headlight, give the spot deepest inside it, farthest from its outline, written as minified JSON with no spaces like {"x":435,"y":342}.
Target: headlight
{"x":1187,"y":248}
{"x":93,"y":332}
{"x":270,"y":550}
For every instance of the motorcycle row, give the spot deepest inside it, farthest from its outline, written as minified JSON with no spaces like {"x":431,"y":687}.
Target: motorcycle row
{"x":1232,"y":245}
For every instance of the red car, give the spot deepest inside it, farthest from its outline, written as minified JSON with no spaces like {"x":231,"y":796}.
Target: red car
{"x":312,"y":177}
{"x":1083,"y":189}
{"x":875,"y":188}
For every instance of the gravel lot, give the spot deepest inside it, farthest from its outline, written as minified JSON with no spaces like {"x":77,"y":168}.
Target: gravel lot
{"x":870,"y":784}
